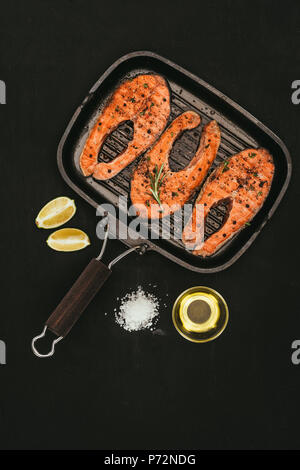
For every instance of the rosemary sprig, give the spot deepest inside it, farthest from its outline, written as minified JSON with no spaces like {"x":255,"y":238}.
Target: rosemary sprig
{"x":156,"y":180}
{"x":225,"y":167}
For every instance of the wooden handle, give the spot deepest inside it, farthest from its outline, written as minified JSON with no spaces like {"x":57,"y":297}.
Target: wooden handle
{"x":77,"y":299}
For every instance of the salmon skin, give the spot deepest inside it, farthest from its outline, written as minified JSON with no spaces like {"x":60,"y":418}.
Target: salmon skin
{"x":144,"y":100}
{"x":242,"y":184}
{"x":175,"y":188}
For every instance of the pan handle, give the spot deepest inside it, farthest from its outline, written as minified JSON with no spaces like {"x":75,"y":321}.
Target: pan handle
{"x":71,"y":307}
{"x":78,"y":298}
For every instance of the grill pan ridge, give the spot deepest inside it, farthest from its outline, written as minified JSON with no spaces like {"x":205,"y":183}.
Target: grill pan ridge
{"x":239,"y":130}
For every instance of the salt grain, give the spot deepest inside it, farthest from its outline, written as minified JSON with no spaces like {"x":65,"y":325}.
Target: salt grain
{"x":138,"y":310}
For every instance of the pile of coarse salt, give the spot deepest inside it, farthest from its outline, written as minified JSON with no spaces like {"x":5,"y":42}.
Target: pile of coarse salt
{"x":138,"y":310}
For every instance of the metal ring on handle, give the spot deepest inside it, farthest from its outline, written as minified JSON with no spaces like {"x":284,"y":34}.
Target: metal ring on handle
{"x":125,"y":253}
{"x":41,"y":336}
{"x":104,"y":242}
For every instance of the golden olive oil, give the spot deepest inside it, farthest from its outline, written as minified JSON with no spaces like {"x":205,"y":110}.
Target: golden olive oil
{"x":200,"y":314}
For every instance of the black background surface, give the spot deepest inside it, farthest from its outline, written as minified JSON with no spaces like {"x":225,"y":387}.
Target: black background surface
{"x":106,"y":388}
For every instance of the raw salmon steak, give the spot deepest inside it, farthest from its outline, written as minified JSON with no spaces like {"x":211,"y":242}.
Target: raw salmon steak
{"x":174,"y":188}
{"x":143,"y":100}
{"x":242,"y":184}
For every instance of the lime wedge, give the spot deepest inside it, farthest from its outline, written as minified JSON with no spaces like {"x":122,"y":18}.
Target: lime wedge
{"x":56,"y":213}
{"x":68,"y":239}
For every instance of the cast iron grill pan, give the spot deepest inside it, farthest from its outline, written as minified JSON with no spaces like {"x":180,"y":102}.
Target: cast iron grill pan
{"x":239,"y":130}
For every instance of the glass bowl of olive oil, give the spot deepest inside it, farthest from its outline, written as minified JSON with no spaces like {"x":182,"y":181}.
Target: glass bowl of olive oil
{"x":200,"y":314}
